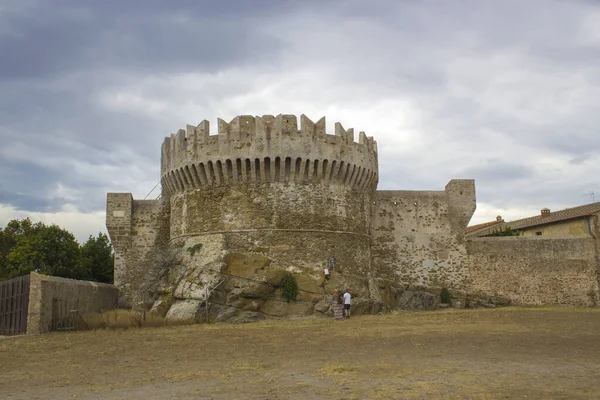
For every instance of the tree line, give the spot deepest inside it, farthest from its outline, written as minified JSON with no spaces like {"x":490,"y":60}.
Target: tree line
{"x":50,"y":250}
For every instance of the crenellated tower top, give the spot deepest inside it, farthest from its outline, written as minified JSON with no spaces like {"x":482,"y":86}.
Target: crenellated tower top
{"x":267,"y":149}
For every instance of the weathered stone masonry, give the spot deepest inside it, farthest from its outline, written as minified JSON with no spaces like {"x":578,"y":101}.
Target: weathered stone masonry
{"x":262,"y":198}
{"x":418,"y":238}
{"x":536,"y":270}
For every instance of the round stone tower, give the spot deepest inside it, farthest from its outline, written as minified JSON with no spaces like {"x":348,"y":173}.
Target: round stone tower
{"x":263,"y":197}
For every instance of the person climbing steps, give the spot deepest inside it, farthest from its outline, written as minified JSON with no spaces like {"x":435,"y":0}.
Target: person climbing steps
{"x":326,"y":276}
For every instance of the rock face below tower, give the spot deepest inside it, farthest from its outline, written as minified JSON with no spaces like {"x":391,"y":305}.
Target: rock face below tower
{"x":260,"y":199}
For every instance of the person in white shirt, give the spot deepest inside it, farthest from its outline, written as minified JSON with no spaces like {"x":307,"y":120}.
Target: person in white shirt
{"x":347,"y":302}
{"x":326,"y":275}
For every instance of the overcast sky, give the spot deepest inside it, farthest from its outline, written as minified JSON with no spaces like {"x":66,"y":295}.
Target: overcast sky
{"x":505,"y":92}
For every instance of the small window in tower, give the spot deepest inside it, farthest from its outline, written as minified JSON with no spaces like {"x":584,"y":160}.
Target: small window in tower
{"x":539,"y":233}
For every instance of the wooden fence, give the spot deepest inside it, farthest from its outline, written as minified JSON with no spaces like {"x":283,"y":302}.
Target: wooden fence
{"x":14,"y":300}
{"x":66,"y":316}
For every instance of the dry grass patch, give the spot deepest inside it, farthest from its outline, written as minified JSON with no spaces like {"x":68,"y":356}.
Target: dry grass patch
{"x":335,"y":370}
{"x":123,"y":319}
{"x":547,"y":352}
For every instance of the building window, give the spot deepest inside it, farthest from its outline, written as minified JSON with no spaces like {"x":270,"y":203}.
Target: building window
{"x":539,"y":233}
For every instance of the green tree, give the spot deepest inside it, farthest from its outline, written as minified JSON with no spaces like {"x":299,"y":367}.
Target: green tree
{"x":48,"y":250}
{"x":5,"y":246}
{"x":15,"y":232}
{"x":97,"y":258}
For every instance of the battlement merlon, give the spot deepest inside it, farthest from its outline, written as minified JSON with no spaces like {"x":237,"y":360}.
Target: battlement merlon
{"x":248,"y":137}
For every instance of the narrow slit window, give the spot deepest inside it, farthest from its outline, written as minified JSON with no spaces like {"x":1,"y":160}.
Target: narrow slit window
{"x":257,"y":169}
{"x":267,"y":169}
{"x":288,"y":168}
{"x":277,"y":169}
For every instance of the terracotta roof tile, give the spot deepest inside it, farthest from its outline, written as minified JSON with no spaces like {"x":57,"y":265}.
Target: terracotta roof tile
{"x":555,"y":216}
{"x":482,"y":226}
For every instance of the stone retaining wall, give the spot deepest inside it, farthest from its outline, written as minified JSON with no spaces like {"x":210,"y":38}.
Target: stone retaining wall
{"x":536,"y":270}
{"x":83,"y":296}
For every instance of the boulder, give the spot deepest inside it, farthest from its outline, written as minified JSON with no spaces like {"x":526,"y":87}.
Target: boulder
{"x":184,"y":310}
{"x":161,"y":306}
{"x":245,"y":304}
{"x":189,"y":290}
{"x":310,"y":283}
{"x":458,"y":303}
{"x":226,"y":314}
{"x":275,"y":308}
{"x":362,"y":306}
{"x":418,"y":300}
{"x":322,"y":306}
{"x":235,"y":316}
{"x":274,"y":276}
{"x":256,"y":290}
{"x":280,"y":308}
{"x":500,"y":300}
{"x":243,"y":317}
{"x":236,"y":298}
{"x":299,"y":308}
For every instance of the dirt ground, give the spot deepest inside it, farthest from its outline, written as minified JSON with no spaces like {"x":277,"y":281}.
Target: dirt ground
{"x":535,"y":353}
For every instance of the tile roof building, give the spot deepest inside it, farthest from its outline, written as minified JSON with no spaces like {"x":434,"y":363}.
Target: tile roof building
{"x":576,"y":221}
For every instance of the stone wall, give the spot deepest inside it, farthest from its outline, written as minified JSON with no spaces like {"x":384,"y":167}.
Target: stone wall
{"x":267,"y":149}
{"x":262,"y":198}
{"x":71,"y":294}
{"x":296,"y":228}
{"x":536,"y":270}
{"x":118,"y":222}
{"x":418,"y":237}
{"x":139,"y":230}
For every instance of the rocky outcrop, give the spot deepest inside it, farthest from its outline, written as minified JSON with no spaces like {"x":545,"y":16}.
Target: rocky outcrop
{"x":245,"y":287}
{"x":184,"y":311}
{"x":161,"y":305}
{"x":418,"y":300}
{"x":429,"y":298}
{"x":484,"y":301}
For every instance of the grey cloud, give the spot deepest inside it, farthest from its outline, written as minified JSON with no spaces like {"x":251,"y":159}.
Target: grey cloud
{"x":499,"y":172}
{"x":463,"y":65}
{"x":48,"y":39}
{"x":28,"y":186}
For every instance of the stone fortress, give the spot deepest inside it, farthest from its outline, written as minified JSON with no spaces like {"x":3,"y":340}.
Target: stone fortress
{"x":264,"y":197}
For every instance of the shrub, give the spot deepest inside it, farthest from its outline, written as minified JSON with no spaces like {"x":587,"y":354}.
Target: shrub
{"x":445,"y":296}
{"x":192,"y":250}
{"x":289,"y":287}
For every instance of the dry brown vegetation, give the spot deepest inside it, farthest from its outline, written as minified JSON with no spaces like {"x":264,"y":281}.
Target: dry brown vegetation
{"x":123,"y":319}
{"x":539,"y":353}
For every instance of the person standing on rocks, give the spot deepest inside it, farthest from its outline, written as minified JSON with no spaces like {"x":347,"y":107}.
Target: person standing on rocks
{"x":347,"y":302}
